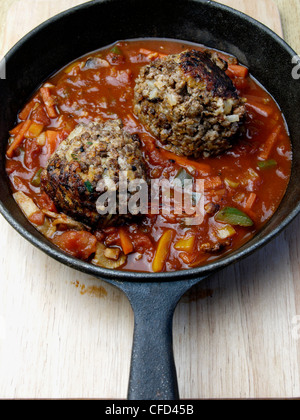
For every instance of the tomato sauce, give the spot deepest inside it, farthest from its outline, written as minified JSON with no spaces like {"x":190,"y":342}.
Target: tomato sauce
{"x":251,"y":178}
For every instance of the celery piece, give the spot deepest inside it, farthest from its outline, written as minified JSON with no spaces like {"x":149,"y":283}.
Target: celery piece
{"x":267,"y":164}
{"x":231,"y":184}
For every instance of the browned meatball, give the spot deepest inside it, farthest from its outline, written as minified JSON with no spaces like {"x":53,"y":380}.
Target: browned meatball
{"x":188,"y":102}
{"x":92,"y":153}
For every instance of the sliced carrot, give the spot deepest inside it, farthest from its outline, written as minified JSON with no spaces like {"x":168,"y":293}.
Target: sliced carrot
{"x":185,"y":244}
{"x":151,"y":54}
{"x":261,"y":109}
{"x":186,"y":163}
{"x":48,"y":101}
{"x":250,"y":201}
{"x":162,"y":250}
{"x":16,"y":129}
{"x":126,"y":243}
{"x":24,"y":114}
{"x":52,"y":137}
{"x":238,"y":71}
{"x":213,"y":183}
{"x":18,"y":139}
{"x":269,"y":144}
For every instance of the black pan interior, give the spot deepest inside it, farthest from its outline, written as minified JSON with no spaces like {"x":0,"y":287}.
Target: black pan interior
{"x":99,"y":23}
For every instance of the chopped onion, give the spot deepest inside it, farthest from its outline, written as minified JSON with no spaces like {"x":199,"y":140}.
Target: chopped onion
{"x":226,"y":232}
{"x":232,"y":118}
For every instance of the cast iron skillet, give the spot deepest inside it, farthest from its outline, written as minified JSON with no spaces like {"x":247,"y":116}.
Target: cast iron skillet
{"x":94,"y":25}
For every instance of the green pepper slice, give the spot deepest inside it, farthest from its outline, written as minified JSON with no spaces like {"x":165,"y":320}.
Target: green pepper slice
{"x":234,"y":217}
{"x":89,"y":186}
{"x":36,"y":180}
{"x":116,"y":50}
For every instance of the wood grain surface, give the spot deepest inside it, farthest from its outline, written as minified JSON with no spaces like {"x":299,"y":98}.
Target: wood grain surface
{"x":64,"y":334}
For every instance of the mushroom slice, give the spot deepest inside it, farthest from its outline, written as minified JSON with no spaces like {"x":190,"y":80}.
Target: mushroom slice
{"x":62,"y":219}
{"x":101,"y":260}
{"x":29,"y":208}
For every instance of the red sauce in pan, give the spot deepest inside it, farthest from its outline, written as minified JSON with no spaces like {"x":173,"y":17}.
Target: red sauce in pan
{"x":251,"y":178}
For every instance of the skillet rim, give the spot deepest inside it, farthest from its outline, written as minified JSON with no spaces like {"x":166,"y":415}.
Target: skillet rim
{"x":39,"y":241}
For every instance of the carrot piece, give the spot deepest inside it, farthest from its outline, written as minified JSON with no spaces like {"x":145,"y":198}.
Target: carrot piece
{"x":52,"y":137}
{"x":126,"y":243}
{"x":24,"y":114}
{"x":213,"y":183}
{"x":49,"y":102}
{"x":261,"y":109}
{"x":185,"y":244}
{"x":186,"y":163}
{"x":18,"y":139}
{"x":151,"y":54}
{"x":162,"y":250}
{"x":187,"y":258}
{"x":238,"y":71}
{"x":250,"y":201}
{"x":16,"y":129}
{"x":269,"y":144}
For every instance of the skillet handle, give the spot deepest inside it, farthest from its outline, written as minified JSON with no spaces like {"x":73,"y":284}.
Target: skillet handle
{"x":153,"y":372}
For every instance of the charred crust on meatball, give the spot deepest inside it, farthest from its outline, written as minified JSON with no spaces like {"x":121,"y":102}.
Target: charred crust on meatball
{"x":93,"y":152}
{"x":204,"y":66}
{"x":189,"y":104}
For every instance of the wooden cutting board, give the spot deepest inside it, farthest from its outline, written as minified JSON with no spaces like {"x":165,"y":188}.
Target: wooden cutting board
{"x":21,"y":19}
{"x":64,"y":334}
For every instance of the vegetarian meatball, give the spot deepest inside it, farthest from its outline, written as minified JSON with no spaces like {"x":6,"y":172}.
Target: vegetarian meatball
{"x":189,"y":104}
{"x":87,"y":164}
